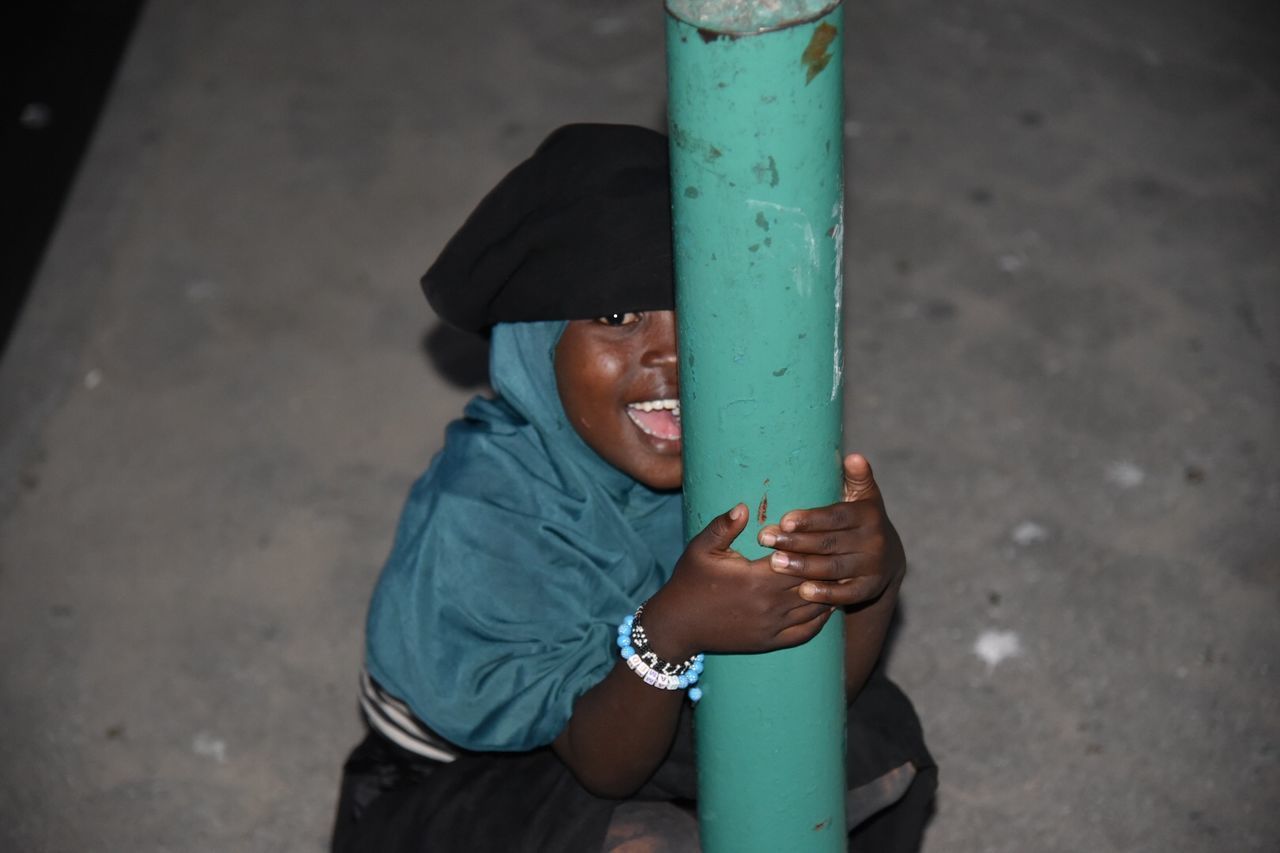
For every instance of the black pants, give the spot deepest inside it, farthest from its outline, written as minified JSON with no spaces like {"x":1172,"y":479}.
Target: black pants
{"x":393,"y":801}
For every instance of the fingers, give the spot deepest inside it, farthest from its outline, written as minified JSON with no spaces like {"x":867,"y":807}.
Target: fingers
{"x":805,"y":611}
{"x":723,"y":529}
{"x":846,"y":592}
{"x":862,"y":503}
{"x":838,"y":516}
{"x":859,"y":482}
{"x":818,"y":568}
{"x":796,"y":635}
{"x":840,"y":581}
{"x":837,"y":529}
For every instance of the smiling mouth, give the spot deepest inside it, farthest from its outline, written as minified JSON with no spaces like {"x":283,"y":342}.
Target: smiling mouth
{"x":657,"y":418}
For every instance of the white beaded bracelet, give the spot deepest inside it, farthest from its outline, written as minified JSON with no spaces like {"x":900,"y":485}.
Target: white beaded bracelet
{"x":655,"y":671}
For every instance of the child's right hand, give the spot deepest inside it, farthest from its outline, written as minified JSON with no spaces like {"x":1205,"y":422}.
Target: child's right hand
{"x":719,"y":601}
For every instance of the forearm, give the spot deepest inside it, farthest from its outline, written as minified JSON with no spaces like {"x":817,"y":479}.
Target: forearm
{"x":866,"y":626}
{"x":864,"y":632}
{"x":620,"y":732}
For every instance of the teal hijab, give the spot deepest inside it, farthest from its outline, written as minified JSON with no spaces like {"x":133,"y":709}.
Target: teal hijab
{"x":518,"y":553}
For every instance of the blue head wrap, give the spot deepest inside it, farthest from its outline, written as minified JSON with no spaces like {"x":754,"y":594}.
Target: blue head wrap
{"x":518,"y":552}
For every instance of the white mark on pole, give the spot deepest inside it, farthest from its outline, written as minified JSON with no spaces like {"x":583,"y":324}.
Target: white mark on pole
{"x":811,"y":243}
{"x":837,"y":352}
{"x":756,"y":204}
{"x":801,"y":277}
{"x":800,"y":280}
{"x":993,"y":647}
{"x":744,"y":15}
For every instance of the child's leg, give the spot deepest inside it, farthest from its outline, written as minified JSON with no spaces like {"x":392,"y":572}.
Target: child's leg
{"x":651,"y":828}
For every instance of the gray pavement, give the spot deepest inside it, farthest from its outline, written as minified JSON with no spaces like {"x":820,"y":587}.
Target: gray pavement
{"x":1064,"y":312}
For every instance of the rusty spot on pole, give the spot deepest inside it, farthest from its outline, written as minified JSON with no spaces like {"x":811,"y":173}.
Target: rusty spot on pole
{"x":763,"y":511}
{"x":817,"y":55}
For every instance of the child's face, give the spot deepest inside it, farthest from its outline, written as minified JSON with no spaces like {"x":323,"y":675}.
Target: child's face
{"x":619,"y":385}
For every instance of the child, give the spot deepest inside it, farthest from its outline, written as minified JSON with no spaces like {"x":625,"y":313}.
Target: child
{"x":501,"y":715}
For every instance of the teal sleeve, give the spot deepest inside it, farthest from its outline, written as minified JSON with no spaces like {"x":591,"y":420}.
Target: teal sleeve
{"x":490,"y":623}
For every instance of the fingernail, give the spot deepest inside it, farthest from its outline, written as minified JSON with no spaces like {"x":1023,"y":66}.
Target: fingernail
{"x":736,"y":512}
{"x":789,"y":525}
{"x":768,"y":539}
{"x":809,"y":590}
{"x":779,"y":560}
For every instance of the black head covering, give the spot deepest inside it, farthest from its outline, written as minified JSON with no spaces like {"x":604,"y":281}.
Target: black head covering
{"x":579,"y":230}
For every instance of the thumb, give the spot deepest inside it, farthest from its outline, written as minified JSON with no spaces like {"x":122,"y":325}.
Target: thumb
{"x":723,"y":529}
{"x":859,"y":482}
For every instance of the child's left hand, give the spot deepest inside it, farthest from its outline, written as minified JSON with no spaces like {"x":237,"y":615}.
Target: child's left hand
{"x":848,"y":552}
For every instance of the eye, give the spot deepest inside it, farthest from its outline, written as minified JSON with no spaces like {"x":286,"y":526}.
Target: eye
{"x":625,"y":319}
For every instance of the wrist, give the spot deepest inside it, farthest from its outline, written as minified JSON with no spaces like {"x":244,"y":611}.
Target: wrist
{"x":668,"y":632}
{"x":648,"y":664}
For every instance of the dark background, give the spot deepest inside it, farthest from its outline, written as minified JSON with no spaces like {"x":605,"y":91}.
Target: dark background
{"x":59,"y":60}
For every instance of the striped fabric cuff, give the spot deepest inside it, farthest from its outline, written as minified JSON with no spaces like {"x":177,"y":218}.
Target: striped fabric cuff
{"x":392,"y":719}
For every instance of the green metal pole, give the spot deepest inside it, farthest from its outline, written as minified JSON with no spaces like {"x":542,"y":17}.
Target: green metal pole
{"x":756,"y":127}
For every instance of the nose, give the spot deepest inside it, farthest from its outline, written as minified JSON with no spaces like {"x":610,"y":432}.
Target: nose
{"x":660,"y":349}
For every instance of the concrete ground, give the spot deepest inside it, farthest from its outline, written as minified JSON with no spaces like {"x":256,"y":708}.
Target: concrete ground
{"x":1064,"y":317}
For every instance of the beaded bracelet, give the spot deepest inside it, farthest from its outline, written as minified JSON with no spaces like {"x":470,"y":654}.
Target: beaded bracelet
{"x":633,"y":643}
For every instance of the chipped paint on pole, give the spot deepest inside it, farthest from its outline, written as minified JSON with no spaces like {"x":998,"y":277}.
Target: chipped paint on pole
{"x":756,"y":120}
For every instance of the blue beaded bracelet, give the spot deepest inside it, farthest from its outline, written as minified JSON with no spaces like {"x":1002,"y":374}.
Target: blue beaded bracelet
{"x":633,"y":646}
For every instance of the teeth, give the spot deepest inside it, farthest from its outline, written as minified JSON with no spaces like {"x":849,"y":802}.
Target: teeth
{"x":653,"y":405}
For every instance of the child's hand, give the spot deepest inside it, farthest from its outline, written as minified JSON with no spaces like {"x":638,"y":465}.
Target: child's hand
{"x":847,"y":553}
{"x":719,"y":601}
